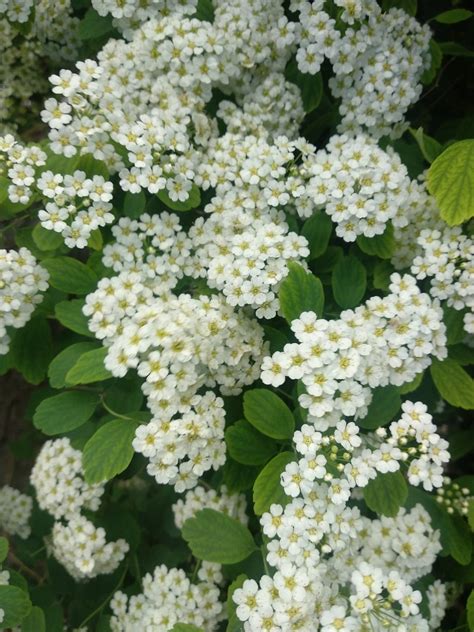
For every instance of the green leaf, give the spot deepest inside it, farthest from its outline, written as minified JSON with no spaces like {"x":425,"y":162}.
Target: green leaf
{"x":453,"y":383}
{"x":4,"y":184}
{"x":311,"y":86}
{"x":34,"y":622}
{"x":95,"y":240}
{"x":31,"y":350}
{"x":93,"y":167}
{"x":69,"y":275}
{"x":460,"y":542}
{"x":451,"y":181}
{"x":429,"y":147}
{"x":3,"y":548}
{"x":237,"y":477}
{"x":46,"y":239}
{"x":470,"y":514}
{"x":317,"y":230}
{"x":134,"y":204}
{"x":267,"y":488}
{"x":69,"y":314}
{"x":268,"y":414}
{"x":93,"y":25}
{"x":234,"y":625}
{"x":124,"y":396}
{"x":382,"y":246}
{"x":64,"y":412}
{"x":386,"y":493}
{"x":185,"y":627}
{"x":349,"y":282}
{"x":205,"y":11}
{"x":89,"y":368}
{"x":385,"y":404}
{"x":216,"y":537}
{"x":454,"y":49}
{"x":462,"y":354}
{"x":453,"y":16}
{"x":16,"y":605}
{"x":109,"y":451}
{"x":66,"y":360}
{"x":409,"y":387}
{"x":382,"y":271}
{"x":454,"y":321}
{"x":436,"y":58}
{"x":470,"y":611}
{"x":193,"y":201}
{"x":248,"y":446}
{"x":300,"y":292}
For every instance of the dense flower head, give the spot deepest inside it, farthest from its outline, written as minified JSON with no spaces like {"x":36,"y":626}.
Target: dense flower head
{"x":174,"y":158}
{"x":22,"y":281}
{"x":15,"y":511}
{"x":233,"y":505}
{"x":182,"y":446}
{"x":76,"y":206}
{"x":385,"y":341}
{"x":83,"y":550}
{"x":168,"y":597}
{"x":336,"y":569}
{"x":447,"y":259}
{"x":58,"y":479}
{"x":360,"y":186}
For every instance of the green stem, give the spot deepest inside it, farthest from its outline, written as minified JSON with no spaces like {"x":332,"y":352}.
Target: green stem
{"x":113,"y":412}
{"x":106,"y":600}
{"x":195,"y":571}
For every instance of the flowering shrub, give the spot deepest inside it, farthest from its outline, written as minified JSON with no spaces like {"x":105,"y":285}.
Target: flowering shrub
{"x":238,"y":277}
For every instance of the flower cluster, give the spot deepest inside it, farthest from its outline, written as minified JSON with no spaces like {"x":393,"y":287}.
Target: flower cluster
{"x":83,"y":550}
{"x":386,"y":341}
{"x":337,"y":570}
{"x":378,"y":69}
{"x":178,"y":344}
{"x":20,"y":163}
{"x":347,"y":460}
{"x":168,"y":598}
{"x":52,"y":38}
{"x":448,"y":261}
{"x":78,"y":205}
{"x":419,"y":212}
{"x":15,"y":511}
{"x":130,"y":12}
{"x":360,"y":186}
{"x":58,"y":479}
{"x":233,"y":505}
{"x":181,"y":447}
{"x":454,"y":497}
{"x":22,"y":280}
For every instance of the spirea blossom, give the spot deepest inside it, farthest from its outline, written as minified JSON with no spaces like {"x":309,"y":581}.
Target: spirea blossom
{"x":385,"y":341}
{"x":83,"y":550}
{"x":22,"y":281}
{"x":58,"y":479}
{"x":233,"y":505}
{"x":168,"y":597}
{"x":15,"y":511}
{"x":448,"y":261}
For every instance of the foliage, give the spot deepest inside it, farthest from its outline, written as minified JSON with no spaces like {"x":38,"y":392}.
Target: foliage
{"x":240,"y":305}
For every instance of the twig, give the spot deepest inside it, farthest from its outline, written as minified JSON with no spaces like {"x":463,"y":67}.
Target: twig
{"x":15,"y":561}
